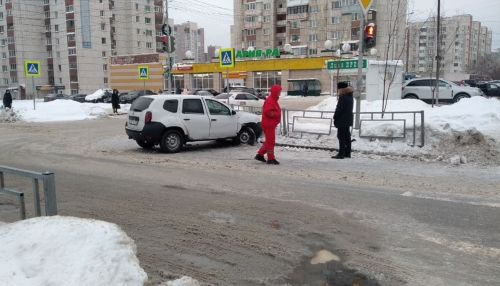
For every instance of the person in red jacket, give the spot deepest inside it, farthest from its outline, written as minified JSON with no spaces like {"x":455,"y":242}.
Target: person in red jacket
{"x":271,"y":117}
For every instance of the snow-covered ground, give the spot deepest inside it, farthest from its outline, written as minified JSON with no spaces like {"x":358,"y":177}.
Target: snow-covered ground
{"x":468,"y":130}
{"x":60,"y":251}
{"x":461,"y":132}
{"x":61,"y":110}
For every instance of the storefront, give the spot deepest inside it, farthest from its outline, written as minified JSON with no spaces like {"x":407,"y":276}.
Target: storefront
{"x":261,"y":74}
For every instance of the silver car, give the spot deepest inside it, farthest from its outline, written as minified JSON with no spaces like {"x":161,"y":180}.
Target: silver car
{"x":423,"y":88}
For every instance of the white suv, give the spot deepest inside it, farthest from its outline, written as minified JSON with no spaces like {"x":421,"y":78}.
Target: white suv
{"x":172,"y":120}
{"x":423,"y":88}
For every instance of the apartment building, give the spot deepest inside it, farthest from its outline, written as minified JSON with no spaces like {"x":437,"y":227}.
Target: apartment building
{"x":188,"y":37}
{"x":464,"y":44}
{"x":73,"y":40}
{"x":307,"y":24}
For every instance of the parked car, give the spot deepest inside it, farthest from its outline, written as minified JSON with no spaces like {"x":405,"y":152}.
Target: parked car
{"x":490,"y":89}
{"x":209,"y":91}
{"x":52,"y":97}
{"x":133,"y":95}
{"x":172,"y":120}
{"x":250,"y":90}
{"x":203,"y":93}
{"x":78,"y":97}
{"x":99,"y":95}
{"x":422,"y":88}
{"x":240,"y":98}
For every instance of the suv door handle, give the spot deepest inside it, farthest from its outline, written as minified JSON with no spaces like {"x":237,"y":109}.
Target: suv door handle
{"x":187,"y":119}
{"x":213,"y":119}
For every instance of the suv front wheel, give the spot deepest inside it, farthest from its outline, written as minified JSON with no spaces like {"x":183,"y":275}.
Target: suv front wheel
{"x":245,"y":136}
{"x":171,"y":142}
{"x":460,"y":96}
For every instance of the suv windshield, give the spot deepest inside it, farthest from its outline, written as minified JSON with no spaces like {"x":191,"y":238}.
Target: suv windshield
{"x":141,"y":103}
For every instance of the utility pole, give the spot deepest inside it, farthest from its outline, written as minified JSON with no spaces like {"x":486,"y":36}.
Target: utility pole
{"x":168,"y":64}
{"x":438,"y":54}
{"x":407,"y":47}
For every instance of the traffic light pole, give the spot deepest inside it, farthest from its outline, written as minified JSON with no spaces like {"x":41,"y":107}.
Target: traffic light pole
{"x":168,"y":64}
{"x":360,"y":71}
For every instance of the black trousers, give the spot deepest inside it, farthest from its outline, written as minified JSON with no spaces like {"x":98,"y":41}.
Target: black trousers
{"x":344,"y":136}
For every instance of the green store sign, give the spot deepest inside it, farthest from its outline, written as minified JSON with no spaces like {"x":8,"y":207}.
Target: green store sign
{"x":269,"y":53}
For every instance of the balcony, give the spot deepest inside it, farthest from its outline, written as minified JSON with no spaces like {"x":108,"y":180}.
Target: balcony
{"x":300,"y":16}
{"x":281,"y":35}
{"x":253,"y":12}
{"x":253,"y":25}
{"x":281,"y":11}
{"x":281,"y":23}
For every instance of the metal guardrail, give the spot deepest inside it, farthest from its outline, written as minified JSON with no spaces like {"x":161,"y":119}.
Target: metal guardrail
{"x":287,"y":125}
{"x":247,"y":108}
{"x":49,"y":190}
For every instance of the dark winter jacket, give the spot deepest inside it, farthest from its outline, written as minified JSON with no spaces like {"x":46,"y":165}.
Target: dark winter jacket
{"x":115,"y":99}
{"x":7,"y":100}
{"x":343,"y":113}
{"x":271,"y":111}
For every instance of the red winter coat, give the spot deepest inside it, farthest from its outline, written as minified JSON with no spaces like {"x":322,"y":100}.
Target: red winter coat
{"x":271,"y":111}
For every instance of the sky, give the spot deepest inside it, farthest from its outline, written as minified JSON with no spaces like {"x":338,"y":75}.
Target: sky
{"x":216,"y":15}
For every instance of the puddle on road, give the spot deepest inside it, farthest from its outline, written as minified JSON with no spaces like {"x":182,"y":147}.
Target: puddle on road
{"x":326,"y":269}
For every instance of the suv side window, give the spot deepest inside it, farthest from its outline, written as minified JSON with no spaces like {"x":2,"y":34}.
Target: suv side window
{"x":217,"y":108}
{"x":240,"y":97}
{"x":171,"y":105}
{"x":192,"y":106}
{"x":417,"y":83}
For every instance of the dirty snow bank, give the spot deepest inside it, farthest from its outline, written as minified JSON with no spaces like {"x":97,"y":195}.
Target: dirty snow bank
{"x":469,"y":129}
{"x":61,"y":110}
{"x":67,"y":251}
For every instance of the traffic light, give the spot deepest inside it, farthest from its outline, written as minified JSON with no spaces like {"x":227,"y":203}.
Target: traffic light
{"x":370,"y":36}
{"x":172,"y":44}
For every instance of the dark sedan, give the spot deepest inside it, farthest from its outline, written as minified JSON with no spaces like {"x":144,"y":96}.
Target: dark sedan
{"x":129,"y":97}
{"x":490,"y":89}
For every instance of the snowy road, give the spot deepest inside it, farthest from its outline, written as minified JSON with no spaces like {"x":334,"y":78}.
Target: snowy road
{"x":216,"y":215}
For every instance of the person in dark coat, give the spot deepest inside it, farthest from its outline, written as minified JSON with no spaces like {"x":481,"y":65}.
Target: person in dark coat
{"x":305,"y":89}
{"x":271,"y":117}
{"x":343,"y":118}
{"x":178,"y":90}
{"x":115,"y":101}
{"x":7,"y":100}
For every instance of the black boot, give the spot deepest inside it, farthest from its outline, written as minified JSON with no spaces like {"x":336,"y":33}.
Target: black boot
{"x":260,"y":158}
{"x":338,"y":156}
{"x":273,"y":162}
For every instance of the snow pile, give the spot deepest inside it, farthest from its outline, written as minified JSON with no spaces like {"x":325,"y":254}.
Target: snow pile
{"x":67,"y":251}
{"x":97,"y":94}
{"x":8,"y":115}
{"x":184,"y":281}
{"x":469,"y":129}
{"x":62,"y":110}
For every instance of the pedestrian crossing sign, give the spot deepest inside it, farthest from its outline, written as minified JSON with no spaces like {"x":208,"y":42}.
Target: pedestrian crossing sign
{"x":32,"y":68}
{"x":226,"y":58}
{"x":143,"y":72}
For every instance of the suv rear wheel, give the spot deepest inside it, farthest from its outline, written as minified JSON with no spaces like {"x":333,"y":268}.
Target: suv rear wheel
{"x":171,"y":142}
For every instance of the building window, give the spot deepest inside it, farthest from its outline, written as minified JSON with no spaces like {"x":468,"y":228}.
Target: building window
{"x":2,"y":30}
{"x":102,"y":13}
{"x":14,"y":79}
{"x":103,"y":41}
{"x":147,"y":9}
{"x":1,"y":16}
{"x":4,"y":55}
{"x":70,"y":9}
{"x":138,"y":44}
{"x":103,"y":26}
{"x":56,"y":28}
{"x":71,"y":38}
{"x":13,"y":67}
{"x":158,"y":9}
{"x":313,"y":23}
{"x":104,"y":67}
{"x":203,"y":81}
{"x":336,"y":20}
{"x":103,"y":54}
{"x":149,"y":45}
{"x":105,"y":80}
{"x":72,"y":51}
{"x":336,"y":35}
{"x":12,"y":54}
{"x":137,"y":19}
{"x":295,"y":25}
{"x":70,"y":24}
{"x":73,"y":66}
{"x":149,"y":33}
{"x":47,"y":14}
{"x":4,"y":68}
{"x":6,"y":81}
{"x":313,"y":38}
{"x":137,"y":6}
{"x":295,"y":38}
{"x":147,"y":20}
{"x":264,"y":80}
